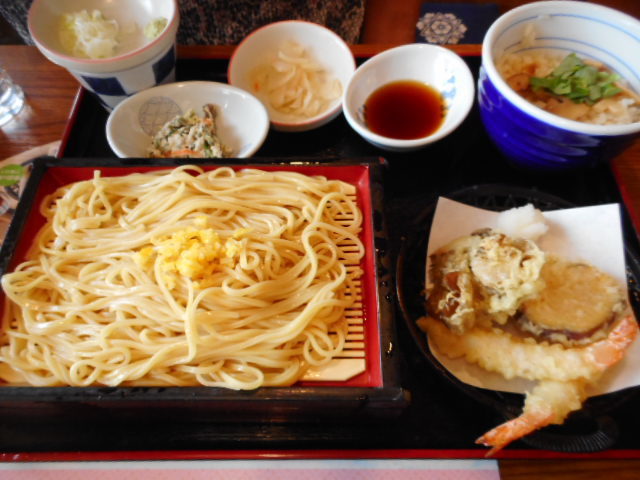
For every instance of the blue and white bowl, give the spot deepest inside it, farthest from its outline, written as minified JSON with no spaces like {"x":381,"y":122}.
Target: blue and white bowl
{"x":530,"y":136}
{"x":139,"y":62}
{"x":439,"y":67}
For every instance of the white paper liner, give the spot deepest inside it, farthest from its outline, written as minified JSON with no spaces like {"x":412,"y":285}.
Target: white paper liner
{"x":591,"y":234}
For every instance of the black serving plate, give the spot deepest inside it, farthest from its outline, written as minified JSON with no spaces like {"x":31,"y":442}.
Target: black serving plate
{"x":587,"y":430}
{"x":442,"y":419}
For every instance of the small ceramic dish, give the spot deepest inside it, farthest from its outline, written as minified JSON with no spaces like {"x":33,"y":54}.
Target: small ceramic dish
{"x":438,"y":67}
{"x":321,"y":45}
{"x":138,"y":61}
{"x":242,"y":121}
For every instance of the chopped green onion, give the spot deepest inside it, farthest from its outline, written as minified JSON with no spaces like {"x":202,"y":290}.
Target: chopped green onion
{"x":578,"y":81}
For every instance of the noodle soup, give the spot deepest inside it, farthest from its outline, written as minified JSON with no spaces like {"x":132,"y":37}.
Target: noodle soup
{"x":540,"y":35}
{"x":522,"y":70}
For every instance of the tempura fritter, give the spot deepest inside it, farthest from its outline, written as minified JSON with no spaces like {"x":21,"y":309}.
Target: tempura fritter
{"x":577,"y":304}
{"x":482,"y":278}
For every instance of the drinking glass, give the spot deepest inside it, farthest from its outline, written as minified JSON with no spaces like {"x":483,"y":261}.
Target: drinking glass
{"x":11,"y":98}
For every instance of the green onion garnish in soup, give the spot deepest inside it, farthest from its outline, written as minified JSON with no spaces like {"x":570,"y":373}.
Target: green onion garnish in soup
{"x":578,"y":81}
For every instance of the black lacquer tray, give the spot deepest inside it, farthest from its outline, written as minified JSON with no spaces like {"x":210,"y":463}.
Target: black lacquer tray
{"x":442,"y":419}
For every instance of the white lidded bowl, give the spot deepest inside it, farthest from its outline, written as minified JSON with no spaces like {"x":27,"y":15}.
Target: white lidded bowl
{"x":139,"y":62}
{"x":322,"y":44}
{"x":242,"y":121}
{"x":436,"y":66}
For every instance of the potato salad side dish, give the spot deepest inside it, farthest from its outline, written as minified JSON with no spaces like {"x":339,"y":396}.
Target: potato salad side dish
{"x":189,"y":136}
{"x":91,"y":34}
{"x":87,"y":34}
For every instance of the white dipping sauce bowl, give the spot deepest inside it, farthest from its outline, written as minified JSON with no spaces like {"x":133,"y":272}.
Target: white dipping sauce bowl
{"x":436,"y":66}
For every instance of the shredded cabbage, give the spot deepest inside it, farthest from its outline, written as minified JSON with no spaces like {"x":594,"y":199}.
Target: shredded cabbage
{"x":89,"y":35}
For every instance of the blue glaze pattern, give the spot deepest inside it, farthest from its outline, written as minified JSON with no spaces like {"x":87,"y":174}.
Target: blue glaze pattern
{"x":111,"y":89}
{"x":529,"y":142}
{"x":105,"y":86}
{"x":163,"y":67}
{"x":449,"y":90}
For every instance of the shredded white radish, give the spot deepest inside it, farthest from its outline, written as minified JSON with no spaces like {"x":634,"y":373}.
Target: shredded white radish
{"x":89,"y":34}
{"x":293,"y":83}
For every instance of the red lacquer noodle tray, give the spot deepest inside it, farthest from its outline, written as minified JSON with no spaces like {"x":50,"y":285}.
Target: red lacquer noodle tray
{"x":373,"y":392}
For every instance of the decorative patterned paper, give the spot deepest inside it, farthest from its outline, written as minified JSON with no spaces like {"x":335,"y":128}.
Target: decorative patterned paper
{"x":377,"y":469}
{"x":453,"y":23}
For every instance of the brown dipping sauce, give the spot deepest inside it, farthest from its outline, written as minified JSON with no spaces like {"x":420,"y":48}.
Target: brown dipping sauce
{"x":405,"y":110}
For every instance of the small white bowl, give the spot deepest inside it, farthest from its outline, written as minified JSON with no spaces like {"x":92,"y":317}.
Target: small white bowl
{"x":438,"y":67}
{"x":242,"y":122}
{"x":326,"y":47}
{"x":139,"y":62}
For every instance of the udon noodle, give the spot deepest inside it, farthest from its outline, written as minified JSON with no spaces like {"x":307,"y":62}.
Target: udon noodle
{"x":236,"y":279}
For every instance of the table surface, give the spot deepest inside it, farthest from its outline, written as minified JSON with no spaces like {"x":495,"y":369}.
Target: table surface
{"x":51,"y":92}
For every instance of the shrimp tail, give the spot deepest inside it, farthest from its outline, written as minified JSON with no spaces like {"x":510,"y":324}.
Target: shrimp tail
{"x":610,"y":351}
{"x":549,"y":402}
{"x":502,"y":435}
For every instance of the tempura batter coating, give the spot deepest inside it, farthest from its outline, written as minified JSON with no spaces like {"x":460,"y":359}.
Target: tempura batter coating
{"x":563,"y":373}
{"x":577,"y":304}
{"x":550,"y":402}
{"x":500,"y":352}
{"x":482,"y":278}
